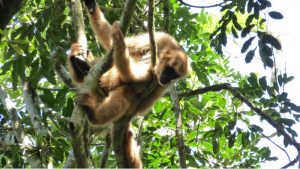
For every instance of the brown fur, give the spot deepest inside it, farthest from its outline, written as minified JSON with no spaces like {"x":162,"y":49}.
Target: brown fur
{"x":129,"y":76}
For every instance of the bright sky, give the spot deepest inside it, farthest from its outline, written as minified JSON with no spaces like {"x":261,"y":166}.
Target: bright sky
{"x":287,"y":30}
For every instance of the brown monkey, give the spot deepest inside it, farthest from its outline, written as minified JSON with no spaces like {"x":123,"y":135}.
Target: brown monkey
{"x":129,"y":76}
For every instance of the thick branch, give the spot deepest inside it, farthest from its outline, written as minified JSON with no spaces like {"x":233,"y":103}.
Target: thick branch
{"x":30,"y":99}
{"x":79,"y":124}
{"x":79,"y":23}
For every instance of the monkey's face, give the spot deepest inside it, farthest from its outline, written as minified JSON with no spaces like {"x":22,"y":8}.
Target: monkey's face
{"x":172,"y":65}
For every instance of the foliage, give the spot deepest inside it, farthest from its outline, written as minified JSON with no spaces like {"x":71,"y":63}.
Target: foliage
{"x":216,"y":132}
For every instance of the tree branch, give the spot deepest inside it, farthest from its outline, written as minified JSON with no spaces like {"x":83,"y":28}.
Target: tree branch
{"x":179,"y":131}
{"x":196,"y":6}
{"x":297,"y":159}
{"x":19,"y":134}
{"x":241,"y":97}
{"x":61,"y":71}
{"x":151,"y":29}
{"x":120,"y":126}
{"x":166,"y":10}
{"x":30,"y":99}
{"x":127,"y":14}
{"x":106,"y":151}
{"x":79,"y":125}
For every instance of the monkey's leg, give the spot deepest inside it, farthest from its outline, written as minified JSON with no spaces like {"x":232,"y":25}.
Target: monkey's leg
{"x":115,"y":105}
{"x":101,"y":27}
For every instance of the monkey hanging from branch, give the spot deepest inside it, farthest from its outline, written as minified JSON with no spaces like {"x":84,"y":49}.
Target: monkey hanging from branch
{"x":130,"y":75}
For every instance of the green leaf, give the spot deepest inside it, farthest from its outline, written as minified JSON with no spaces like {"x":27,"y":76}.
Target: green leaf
{"x":256,"y":10}
{"x":235,"y":23}
{"x":245,"y":139}
{"x":256,"y":128}
{"x":249,"y":56}
{"x":253,"y":80}
{"x":247,"y":44}
{"x":269,"y":62}
{"x":231,"y":140}
{"x":15,"y":75}
{"x":282,"y":97}
{"x":263,"y":83}
{"x":234,"y":33}
{"x":250,"y":6}
{"x":292,"y":132}
{"x":216,"y":146}
{"x":249,"y":19}
{"x":6,"y":67}
{"x":246,"y":30}
{"x":276,"y":15}
{"x":285,"y":142}
{"x":272,"y":41}
{"x":286,"y":121}
{"x":17,"y":49}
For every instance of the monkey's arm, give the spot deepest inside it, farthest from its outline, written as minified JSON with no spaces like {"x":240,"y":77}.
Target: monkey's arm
{"x":101,"y":27}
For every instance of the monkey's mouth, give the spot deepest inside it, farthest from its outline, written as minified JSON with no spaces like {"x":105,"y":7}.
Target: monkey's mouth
{"x":167,"y":75}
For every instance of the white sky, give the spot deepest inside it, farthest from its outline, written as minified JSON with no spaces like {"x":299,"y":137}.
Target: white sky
{"x":287,"y":30}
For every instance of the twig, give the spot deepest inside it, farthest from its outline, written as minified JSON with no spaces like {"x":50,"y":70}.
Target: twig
{"x":196,"y":6}
{"x":276,"y":145}
{"x":166,"y":10}
{"x":106,"y":151}
{"x":151,"y":29}
{"x":297,"y":159}
{"x":61,"y":71}
{"x":127,"y":14}
{"x":179,"y":131}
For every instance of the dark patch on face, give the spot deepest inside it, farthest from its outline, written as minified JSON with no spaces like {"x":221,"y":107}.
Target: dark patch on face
{"x":81,"y":68}
{"x":91,"y":5}
{"x":167,"y":75}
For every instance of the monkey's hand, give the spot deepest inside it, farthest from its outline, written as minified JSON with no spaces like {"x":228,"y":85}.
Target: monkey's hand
{"x":88,"y":103}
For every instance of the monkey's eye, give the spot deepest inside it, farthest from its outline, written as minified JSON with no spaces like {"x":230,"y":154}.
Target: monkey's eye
{"x":167,"y":75}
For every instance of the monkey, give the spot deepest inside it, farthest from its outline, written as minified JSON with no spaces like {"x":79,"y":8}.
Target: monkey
{"x":130,"y":74}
